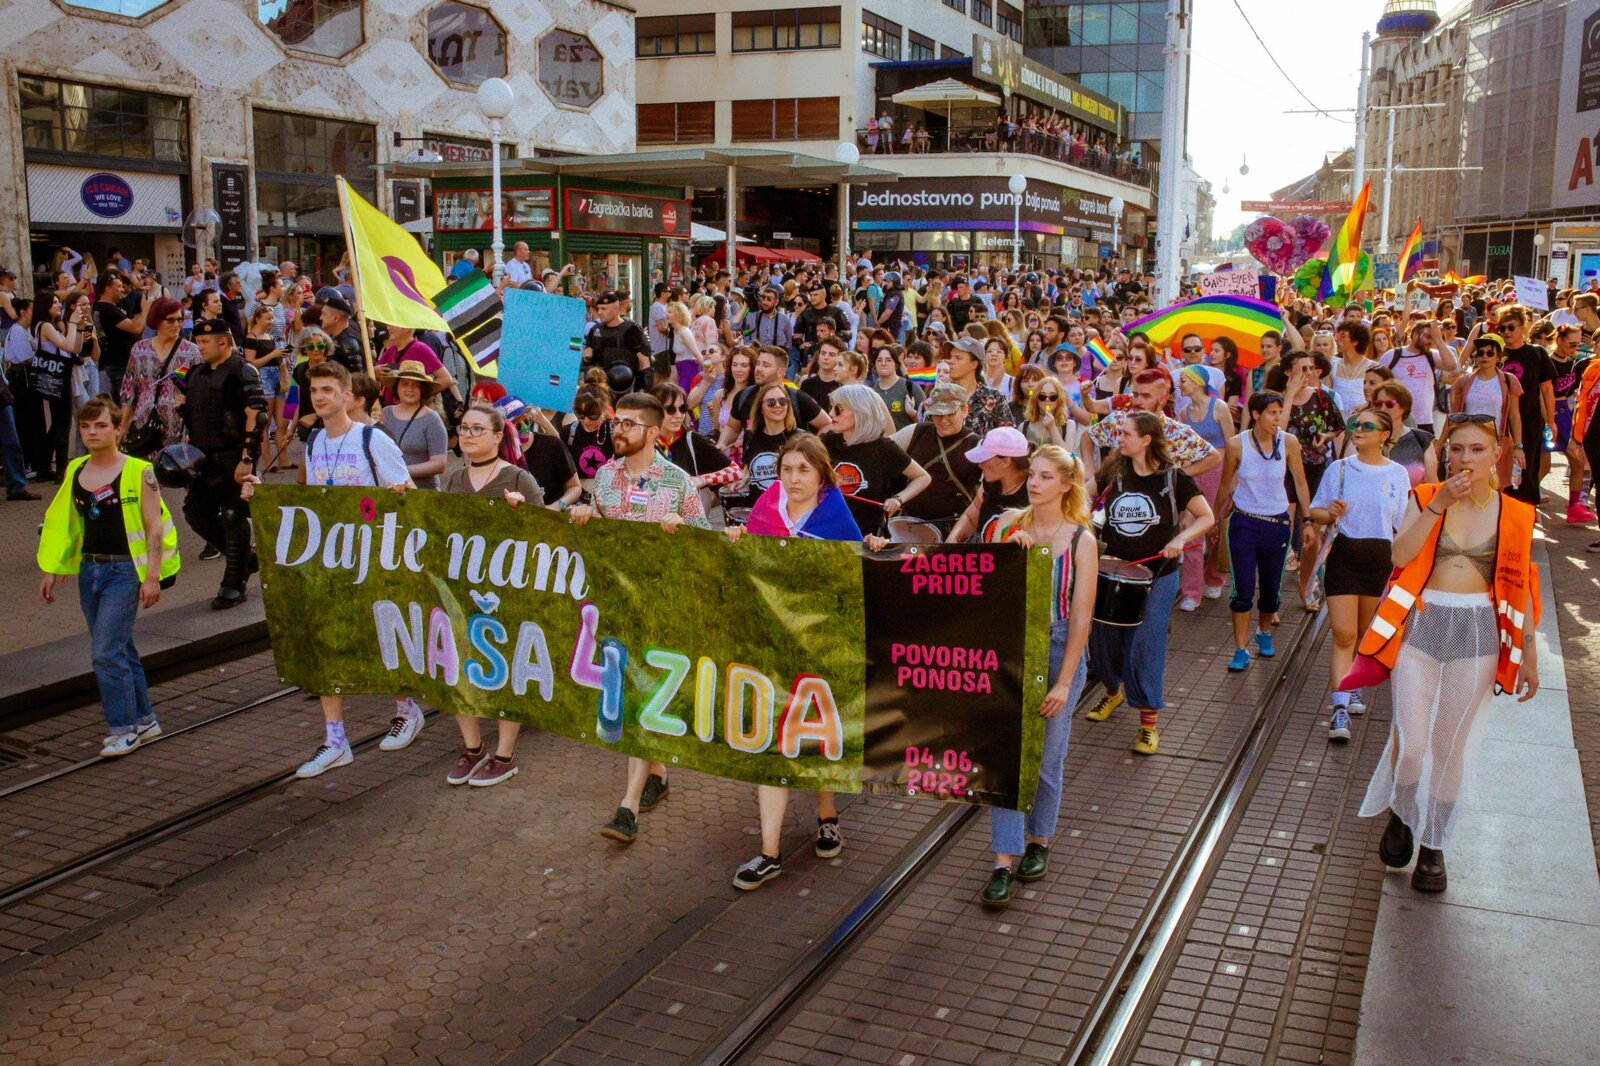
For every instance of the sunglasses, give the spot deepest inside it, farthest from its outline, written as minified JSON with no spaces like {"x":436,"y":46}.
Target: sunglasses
{"x":1461,"y":418}
{"x":1391,"y":405}
{"x":1187,"y":348}
{"x":775,"y":401}
{"x":674,"y":409}
{"x":1509,"y":327}
{"x":1366,"y":427}
{"x":313,"y":347}
{"x":1049,"y":397}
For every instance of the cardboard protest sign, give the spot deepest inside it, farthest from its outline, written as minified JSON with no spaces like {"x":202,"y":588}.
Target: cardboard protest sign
{"x":541,"y":347}
{"x":778,"y":660}
{"x":1242,"y":281}
{"x":1531,"y":292}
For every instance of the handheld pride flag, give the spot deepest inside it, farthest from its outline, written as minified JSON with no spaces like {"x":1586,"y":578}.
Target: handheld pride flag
{"x":1102,"y":357}
{"x":1340,"y":272}
{"x":928,"y":377}
{"x":1242,"y":319}
{"x":1411,"y":254}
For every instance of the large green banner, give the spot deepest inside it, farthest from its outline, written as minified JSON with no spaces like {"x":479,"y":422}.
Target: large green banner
{"x":783,"y":661}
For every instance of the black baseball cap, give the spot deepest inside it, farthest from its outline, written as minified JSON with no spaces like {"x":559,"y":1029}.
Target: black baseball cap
{"x":336,"y":301}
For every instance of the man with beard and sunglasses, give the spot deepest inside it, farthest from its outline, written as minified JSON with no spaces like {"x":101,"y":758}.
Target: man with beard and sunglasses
{"x":637,"y":485}
{"x":1529,"y":364}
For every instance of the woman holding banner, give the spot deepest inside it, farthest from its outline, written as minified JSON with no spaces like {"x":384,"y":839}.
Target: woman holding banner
{"x":804,"y":501}
{"x":487,"y":475}
{"x":1057,"y":517}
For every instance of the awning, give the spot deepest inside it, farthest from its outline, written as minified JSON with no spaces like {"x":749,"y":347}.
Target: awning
{"x":945,"y":95}
{"x":711,"y":235}
{"x":750,"y":253}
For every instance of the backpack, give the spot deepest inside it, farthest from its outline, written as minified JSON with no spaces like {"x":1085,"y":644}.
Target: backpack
{"x":366,"y":449}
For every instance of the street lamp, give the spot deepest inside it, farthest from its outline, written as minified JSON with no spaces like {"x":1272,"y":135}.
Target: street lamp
{"x":1538,"y":248}
{"x":1018,"y":185}
{"x":1116,"y":207}
{"x":847,"y":155}
{"x":495,"y":98}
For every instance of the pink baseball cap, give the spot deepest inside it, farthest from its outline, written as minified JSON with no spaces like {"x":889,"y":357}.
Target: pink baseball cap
{"x":1002,"y":441}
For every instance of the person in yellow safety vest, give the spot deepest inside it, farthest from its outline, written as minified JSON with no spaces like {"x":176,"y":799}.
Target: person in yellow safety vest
{"x":109,"y":525}
{"x":1453,"y":627}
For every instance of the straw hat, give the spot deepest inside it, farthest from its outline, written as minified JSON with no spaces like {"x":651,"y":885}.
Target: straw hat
{"x":412,"y":370}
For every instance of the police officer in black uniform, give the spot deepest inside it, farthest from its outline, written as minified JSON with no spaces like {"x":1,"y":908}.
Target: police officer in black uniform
{"x":226,"y":414}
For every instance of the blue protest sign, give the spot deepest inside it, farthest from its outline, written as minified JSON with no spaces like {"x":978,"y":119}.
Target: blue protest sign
{"x":541,"y":346}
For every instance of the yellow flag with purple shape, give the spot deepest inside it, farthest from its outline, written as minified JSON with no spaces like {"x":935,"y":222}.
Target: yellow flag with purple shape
{"x":392,"y":270}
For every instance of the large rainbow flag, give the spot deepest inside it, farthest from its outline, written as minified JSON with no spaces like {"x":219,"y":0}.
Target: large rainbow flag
{"x":1242,"y":319}
{"x":1339,"y":272}
{"x":1411,"y":254}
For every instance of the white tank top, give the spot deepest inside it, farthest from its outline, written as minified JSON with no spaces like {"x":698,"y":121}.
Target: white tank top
{"x":1260,"y":489}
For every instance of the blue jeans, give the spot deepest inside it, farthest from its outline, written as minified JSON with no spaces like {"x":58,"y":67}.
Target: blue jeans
{"x":1134,"y":658}
{"x":16,"y":463}
{"x":1256,"y":549}
{"x":1006,"y":827}
{"x":109,"y":595}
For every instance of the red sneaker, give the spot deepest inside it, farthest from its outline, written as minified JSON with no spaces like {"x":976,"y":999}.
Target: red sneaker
{"x":1579,"y":514}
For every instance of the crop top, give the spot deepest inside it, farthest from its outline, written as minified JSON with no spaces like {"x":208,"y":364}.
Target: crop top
{"x":1481,"y":558}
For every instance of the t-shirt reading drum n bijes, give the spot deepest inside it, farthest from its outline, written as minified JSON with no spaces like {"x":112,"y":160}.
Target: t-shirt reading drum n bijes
{"x":1142,"y":516}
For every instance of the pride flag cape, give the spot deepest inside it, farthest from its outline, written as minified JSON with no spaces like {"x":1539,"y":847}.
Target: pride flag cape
{"x":392,"y":270}
{"x":1102,"y":357}
{"x":829,"y":520}
{"x":1411,"y":254}
{"x":1339,"y":272}
{"x":1242,"y":319}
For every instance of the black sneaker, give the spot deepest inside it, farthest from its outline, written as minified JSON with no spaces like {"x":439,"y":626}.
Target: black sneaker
{"x":829,"y":840}
{"x":622,"y":828}
{"x":210,"y":552}
{"x":1595,"y":547}
{"x":655,"y":790}
{"x":757,"y":872}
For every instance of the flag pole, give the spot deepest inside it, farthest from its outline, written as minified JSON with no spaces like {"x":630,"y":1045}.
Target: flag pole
{"x":355,"y":277}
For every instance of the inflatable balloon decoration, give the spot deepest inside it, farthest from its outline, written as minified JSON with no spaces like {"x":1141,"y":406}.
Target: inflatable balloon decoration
{"x":1309,"y":276}
{"x":1309,"y":233}
{"x":1271,"y":241}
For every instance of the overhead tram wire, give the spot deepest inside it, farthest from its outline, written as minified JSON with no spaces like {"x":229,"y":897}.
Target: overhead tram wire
{"x":1279,"y":66}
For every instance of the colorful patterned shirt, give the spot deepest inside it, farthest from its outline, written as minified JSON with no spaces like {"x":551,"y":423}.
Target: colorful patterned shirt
{"x":147,"y":392}
{"x":1187,"y":446}
{"x":663,"y":490}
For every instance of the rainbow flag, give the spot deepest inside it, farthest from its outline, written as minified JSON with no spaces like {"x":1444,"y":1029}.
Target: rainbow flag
{"x":181,"y":374}
{"x":1411,"y":254}
{"x":1242,"y":319}
{"x":291,"y":401}
{"x":1102,"y":357}
{"x":1339,"y":273}
{"x":925,"y":377}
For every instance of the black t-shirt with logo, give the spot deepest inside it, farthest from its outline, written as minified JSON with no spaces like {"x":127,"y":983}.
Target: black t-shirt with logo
{"x":590,"y":449}
{"x":871,"y":470}
{"x":1530,"y":364}
{"x":996,"y":502}
{"x":961,"y":311}
{"x":1142,"y":515}
{"x":761,"y":460}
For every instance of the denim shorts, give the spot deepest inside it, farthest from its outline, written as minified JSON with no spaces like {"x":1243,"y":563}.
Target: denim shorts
{"x":269,"y":381}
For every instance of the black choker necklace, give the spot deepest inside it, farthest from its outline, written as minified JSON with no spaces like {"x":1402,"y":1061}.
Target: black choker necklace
{"x":486,"y":462}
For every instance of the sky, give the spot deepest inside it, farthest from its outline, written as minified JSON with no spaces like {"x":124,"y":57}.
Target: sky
{"x":1237,"y":98}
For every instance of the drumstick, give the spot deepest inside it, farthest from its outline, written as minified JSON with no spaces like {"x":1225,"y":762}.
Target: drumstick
{"x":1158,"y":555}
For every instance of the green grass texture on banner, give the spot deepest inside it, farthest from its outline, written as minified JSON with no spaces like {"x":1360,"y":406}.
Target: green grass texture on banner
{"x":475,"y":607}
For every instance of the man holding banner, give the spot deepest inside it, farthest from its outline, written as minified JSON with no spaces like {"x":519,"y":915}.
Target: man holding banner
{"x":637,"y":485}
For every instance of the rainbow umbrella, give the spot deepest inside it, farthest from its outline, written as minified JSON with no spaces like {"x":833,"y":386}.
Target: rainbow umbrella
{"x":1242,"y":319}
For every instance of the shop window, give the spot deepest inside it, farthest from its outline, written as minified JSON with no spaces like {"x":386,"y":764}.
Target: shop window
{"x":72,"y":117}
{"x":304,"y":144}
{"x":946,"y":52}
{"x":918,"y":47}
{"x":682,"y":123}
{"x":466,"y":44}
{"x":329,"y":28}
{"x":675,"y":35}
{"x":129,"y":9}
{"x":879,"y":36}
{"x":571,"y":69}
{"x":810,"y":119}
{"x":786,"y":29}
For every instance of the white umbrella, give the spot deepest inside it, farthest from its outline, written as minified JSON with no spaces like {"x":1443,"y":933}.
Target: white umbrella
{"x":950,"y":93}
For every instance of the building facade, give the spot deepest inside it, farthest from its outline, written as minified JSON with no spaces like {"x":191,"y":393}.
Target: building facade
{"x":176,"y":129}
{"x":1113,"y":48}
{"x":810,"y":78}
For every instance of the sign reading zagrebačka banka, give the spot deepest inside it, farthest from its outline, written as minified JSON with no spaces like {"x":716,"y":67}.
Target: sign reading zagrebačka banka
{"x":783,"y":661}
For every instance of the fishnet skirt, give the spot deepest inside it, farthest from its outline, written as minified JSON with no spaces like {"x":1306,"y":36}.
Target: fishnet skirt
{"x":1442,"y":682}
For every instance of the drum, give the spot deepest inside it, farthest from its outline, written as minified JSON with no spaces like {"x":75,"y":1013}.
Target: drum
{"x":904,"y":530}
{"x":1121,"y":592}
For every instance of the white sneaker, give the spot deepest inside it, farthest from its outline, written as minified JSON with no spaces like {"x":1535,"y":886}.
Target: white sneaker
{"x":1358,"y":706}
{"x":404,"y":727}
{"x":327,"y":758}
{"x":1213,"y":592}
{"x":1188,"y":603}
{"x":149,"y":731}
{"x":119,"y":744}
